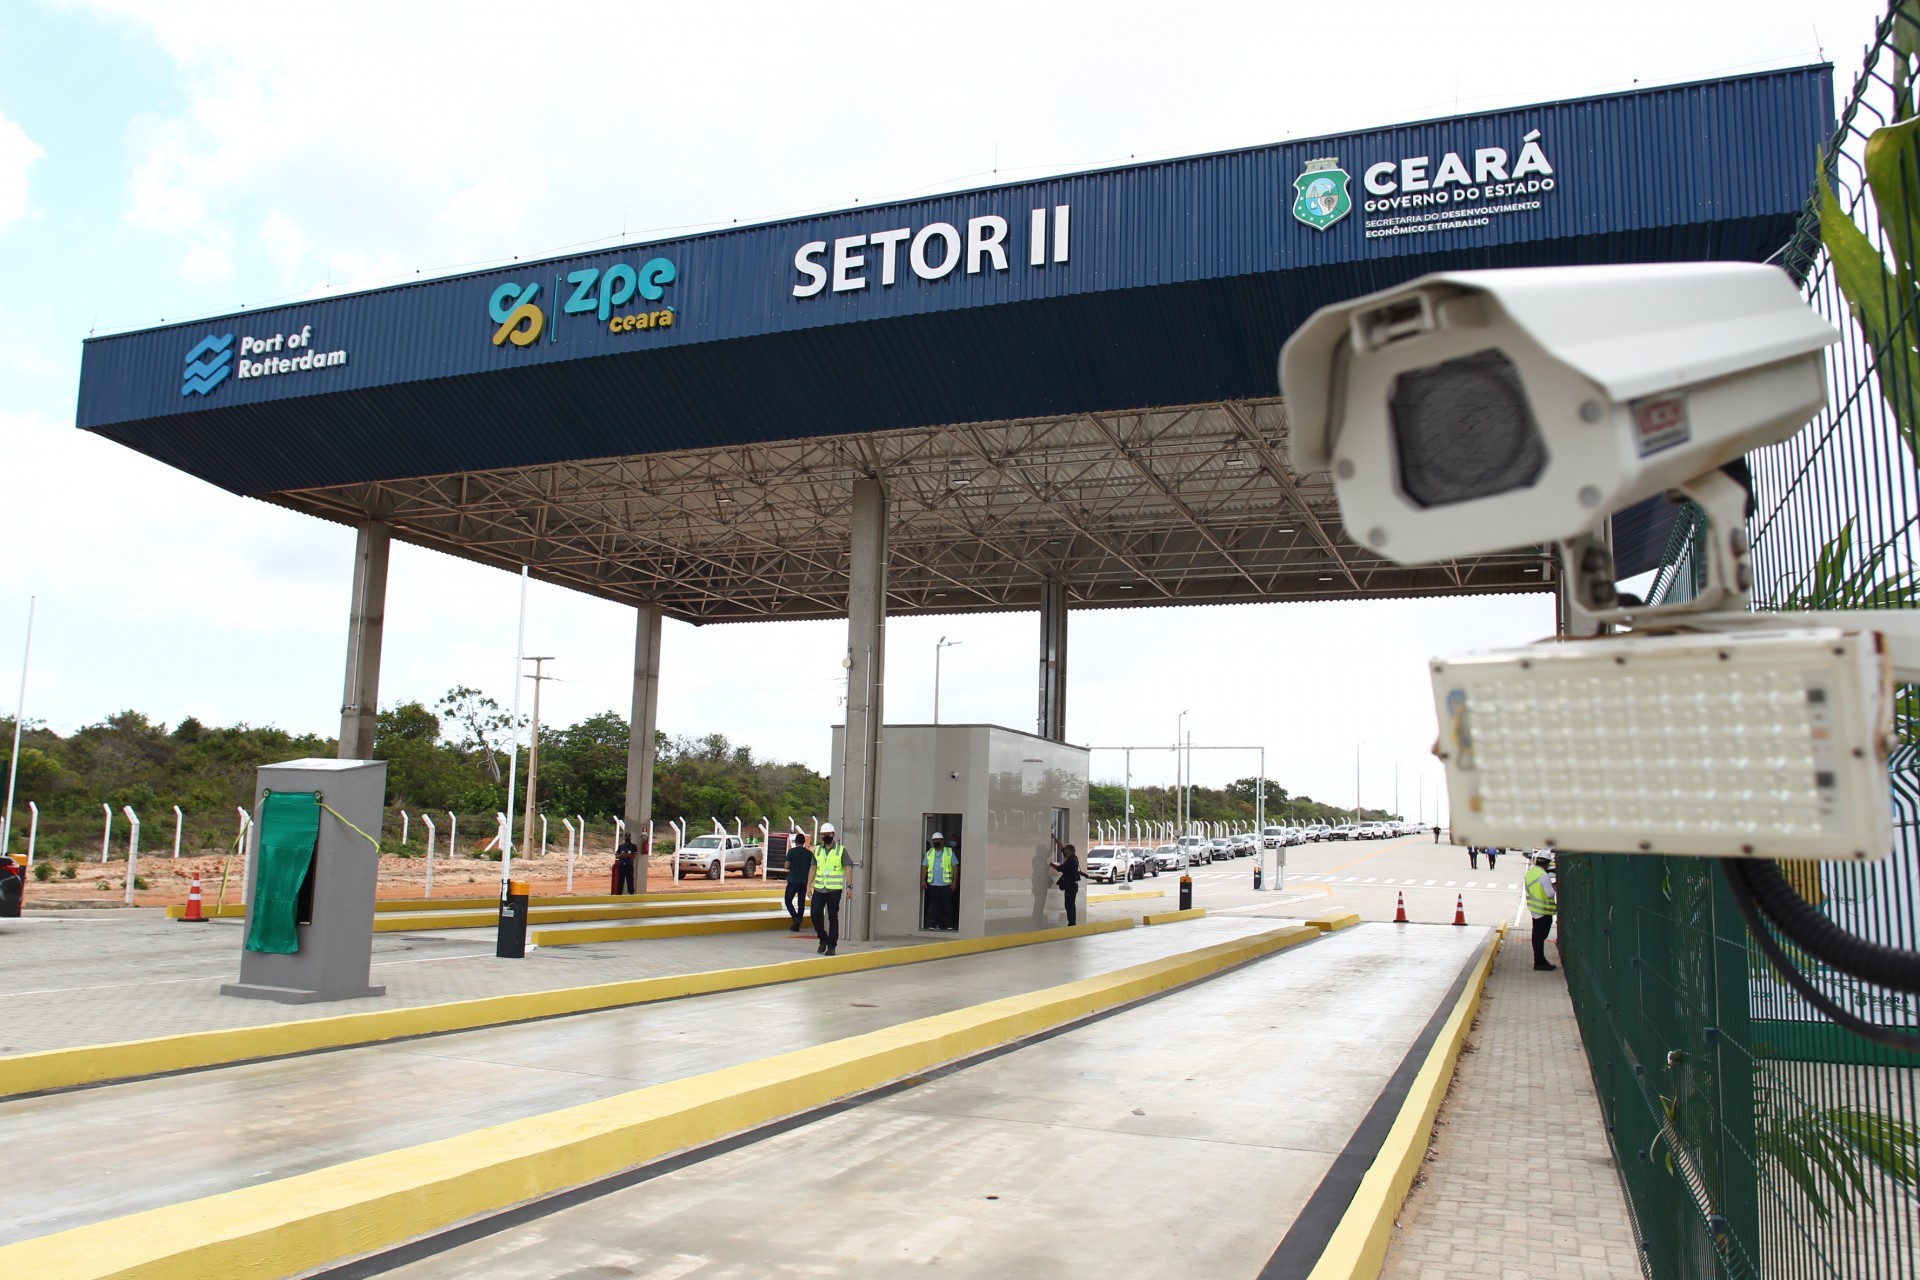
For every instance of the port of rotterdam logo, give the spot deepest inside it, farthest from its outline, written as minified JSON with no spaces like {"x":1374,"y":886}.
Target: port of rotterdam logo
{"x":208,"y":364}
{"x":591,"y":291}
{"x":1321,"y":194}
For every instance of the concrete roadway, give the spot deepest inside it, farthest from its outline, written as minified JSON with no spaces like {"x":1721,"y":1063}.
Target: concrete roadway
{"x":1362,"y":876}
{"x":1177,"y":1138}
{"x":160,"y":1141}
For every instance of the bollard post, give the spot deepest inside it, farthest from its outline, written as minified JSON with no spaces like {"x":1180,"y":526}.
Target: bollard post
{"x":179,"y":818}
{"x":510,"y":941}
{"x":1186,"y":892}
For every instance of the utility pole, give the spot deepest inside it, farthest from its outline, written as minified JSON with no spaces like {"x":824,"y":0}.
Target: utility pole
{"x":19,"y":722}
{"x":944,"y":644}
{"x":533,"y":748}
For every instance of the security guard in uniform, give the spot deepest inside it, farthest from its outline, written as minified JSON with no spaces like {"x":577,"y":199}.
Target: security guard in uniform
{"x":1544,"y":905}
{"x":937,"y":889}
{"x":829,"y":880}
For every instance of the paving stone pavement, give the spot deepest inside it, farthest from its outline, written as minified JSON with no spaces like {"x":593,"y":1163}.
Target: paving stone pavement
{"x":1520,"y":1183}
{"x":99,"y":977}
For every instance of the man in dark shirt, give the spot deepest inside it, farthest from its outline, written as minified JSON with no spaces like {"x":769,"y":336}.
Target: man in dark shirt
{"x":624,"y":858}
{"x":799,"y":867}
{"x":1068,"y":868}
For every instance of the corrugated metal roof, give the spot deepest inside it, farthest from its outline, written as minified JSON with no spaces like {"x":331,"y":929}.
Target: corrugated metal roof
{"x":1182,"y":280}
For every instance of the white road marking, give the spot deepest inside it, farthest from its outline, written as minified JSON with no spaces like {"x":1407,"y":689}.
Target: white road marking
{"x":1452,"y":883}
{"x":1430,"y":882}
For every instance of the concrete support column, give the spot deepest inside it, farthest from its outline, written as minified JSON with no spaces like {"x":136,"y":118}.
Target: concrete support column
{"x":1053,"y":660}
{"x":646,"y":716}
{"x":360,"y":704}
{"x":866,"y":682}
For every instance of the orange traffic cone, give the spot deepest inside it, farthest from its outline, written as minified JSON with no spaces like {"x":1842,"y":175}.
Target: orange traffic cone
{"x":1460,"y":908}
{"x":193,"y":901}
{"x":1400,"y":910}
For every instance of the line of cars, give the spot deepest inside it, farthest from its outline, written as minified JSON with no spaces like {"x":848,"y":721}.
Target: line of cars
{"x":1121,"y":863}
{"x":1287,"y":836}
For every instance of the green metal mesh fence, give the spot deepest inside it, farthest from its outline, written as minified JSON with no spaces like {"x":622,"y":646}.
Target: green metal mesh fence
{"x":1755,"y":1138}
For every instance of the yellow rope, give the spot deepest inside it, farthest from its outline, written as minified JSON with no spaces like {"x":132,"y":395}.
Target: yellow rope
{"x":343,"y":817}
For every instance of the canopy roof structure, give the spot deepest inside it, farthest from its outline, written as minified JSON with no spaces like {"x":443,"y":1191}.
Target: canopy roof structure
{"x":1070,"y":380}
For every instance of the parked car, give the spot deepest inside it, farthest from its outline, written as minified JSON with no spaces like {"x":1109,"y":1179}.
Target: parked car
{"x":1342,"y":831}
{"x":1319,"y":831}
{"x":1222,"y":847}
{"x":1144,"y":863}
{"x":1109,"y":863}
{"x":1198,"y":850}
{"x":1169,"y":857}
{"x":1243,"y":845}
{"x":1273,"y":837}
{"x":716,"y":855}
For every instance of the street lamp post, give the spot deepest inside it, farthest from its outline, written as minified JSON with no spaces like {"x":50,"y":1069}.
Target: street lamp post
{"x":1356,"y":780}
{"x":944,"y":643}
{"x":1179,"y":790}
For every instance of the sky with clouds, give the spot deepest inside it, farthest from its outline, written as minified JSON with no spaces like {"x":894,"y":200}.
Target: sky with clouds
{"x":164,"y":160}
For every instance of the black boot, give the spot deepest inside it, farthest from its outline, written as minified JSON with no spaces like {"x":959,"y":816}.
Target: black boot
{"x":1541,"y":966}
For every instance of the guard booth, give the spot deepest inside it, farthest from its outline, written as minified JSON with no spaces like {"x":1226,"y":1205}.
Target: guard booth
{"x":998,"y":795}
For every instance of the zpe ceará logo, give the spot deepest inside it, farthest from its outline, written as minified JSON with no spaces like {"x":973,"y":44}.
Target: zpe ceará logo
{"x":208,"y":364}
{"x":621,"y":298}
{"x":1322,"y":198}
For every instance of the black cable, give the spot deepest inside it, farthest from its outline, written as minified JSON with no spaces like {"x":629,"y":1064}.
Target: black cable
{"x":1889,"y":1037}
{"x":1802,"y":924}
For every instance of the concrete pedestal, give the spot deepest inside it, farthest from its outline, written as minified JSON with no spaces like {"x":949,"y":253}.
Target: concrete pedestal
{"x":335,"y":959}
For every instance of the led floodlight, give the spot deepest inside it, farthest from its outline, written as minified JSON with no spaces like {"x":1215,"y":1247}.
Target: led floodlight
{"x":1770,"y":744}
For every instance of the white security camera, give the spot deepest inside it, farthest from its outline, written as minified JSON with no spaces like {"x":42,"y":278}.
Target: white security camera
{"x":1471,"y":412}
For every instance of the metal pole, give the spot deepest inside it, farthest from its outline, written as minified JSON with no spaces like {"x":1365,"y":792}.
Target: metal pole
{"x":178,"y":819}
{"x":533,"y":746}
{"x":1356,"y":784}
{"x":404,"y":826}
{"x":1128,"y":792}
{"x":33,"y":832}
{"x":106,"y":832}
{"x":19,"y":719}
{"x":513,"y":754}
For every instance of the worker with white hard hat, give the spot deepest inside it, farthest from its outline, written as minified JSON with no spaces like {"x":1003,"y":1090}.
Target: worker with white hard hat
{"x":939,"y":887}
{"x":829,"y":882}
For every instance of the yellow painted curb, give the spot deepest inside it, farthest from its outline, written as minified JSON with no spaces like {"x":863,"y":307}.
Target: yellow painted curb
{"x":97,"y":1063}
{"x":1121,"y":896}
{"x":1173,"y":917}
{"x":396,"y":922}
{"x":294,"y":1224}
{"x":1358,"y":1247}
{"x":1334,"y":923}
{"x":751,"y":889}
{"x":656,"y":929}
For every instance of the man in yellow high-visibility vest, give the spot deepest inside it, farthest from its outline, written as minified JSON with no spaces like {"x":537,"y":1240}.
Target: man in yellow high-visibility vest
{"x":939,"y":891}
{"x":829,"y":881}
{"x":1544,"y":905}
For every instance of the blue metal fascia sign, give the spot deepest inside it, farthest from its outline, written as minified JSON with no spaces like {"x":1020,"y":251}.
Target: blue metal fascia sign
{"x":1719,"y":151}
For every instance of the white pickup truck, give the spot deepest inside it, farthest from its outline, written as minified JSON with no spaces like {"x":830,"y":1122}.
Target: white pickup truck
{"x":717,"y":855}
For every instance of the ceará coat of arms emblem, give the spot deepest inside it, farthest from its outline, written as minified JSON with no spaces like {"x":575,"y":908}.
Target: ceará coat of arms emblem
{"x":1322,"y":198}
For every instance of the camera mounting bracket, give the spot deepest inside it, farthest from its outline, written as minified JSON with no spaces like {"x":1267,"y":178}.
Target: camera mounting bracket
{"x":1588,"y":560}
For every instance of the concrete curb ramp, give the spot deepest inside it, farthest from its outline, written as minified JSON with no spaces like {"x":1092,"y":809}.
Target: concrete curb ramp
{"x":1123,"y":895}
{"x":285,"y":1227}
{"x":1174,"y":917}
{"x":1358,"y":1248}
{"x":97,"y":1064}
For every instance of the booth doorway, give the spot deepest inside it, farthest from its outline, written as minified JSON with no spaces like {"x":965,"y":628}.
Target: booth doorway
{"x":940,"y":909}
